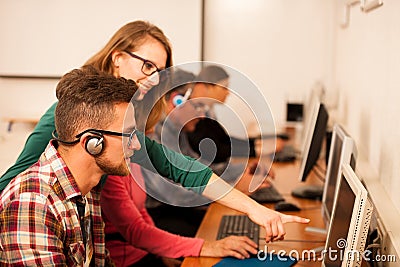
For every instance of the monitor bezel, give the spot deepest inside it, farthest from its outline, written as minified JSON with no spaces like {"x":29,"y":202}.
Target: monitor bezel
{"x":347,"y":150}
{"x":310,"y":130}
{"x":316,"y":96}
{"x":360,"y":218}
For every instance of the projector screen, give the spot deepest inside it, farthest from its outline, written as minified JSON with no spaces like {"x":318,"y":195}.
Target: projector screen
{"x":47,"y":38}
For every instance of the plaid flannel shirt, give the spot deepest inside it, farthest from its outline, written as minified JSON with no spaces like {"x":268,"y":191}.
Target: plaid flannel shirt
{"x":39,"y":225}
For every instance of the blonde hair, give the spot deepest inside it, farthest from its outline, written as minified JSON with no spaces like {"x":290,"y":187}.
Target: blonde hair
{"x":130,"y":37}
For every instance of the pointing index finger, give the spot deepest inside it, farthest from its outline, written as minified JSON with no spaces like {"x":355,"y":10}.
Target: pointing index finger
{"x":296,"y":219}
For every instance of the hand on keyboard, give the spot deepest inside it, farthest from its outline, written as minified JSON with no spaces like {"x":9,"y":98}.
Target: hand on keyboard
{"x":232,"y":246}
{"x":238,"y":225}
{"x":271,"y":220}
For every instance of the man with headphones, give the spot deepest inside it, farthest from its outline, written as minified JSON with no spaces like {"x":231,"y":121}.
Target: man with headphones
{"x":50,"y":214}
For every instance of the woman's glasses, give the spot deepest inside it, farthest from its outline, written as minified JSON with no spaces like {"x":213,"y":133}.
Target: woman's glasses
{"x":148,"y":67}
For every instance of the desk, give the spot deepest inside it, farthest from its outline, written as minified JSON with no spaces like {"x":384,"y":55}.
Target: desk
{"x":286,"y":180}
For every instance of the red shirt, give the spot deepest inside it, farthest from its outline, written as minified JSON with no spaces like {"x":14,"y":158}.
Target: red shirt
{"x":124,"y":212}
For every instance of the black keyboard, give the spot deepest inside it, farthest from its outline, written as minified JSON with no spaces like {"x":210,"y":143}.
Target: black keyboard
{"x":267,"y":195}
{"x":238,"y":225}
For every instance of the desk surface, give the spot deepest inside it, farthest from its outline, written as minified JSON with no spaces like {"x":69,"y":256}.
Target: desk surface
{"x":297,"y":238}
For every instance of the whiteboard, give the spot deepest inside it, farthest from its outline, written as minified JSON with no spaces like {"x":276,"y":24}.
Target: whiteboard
{"x":51,"y":37}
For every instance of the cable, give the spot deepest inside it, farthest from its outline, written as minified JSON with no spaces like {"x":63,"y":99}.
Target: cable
{"x":373,"y":246}
{"x":320,"y":171}
{"x":320,"y":168}
{"x":319,"y":175}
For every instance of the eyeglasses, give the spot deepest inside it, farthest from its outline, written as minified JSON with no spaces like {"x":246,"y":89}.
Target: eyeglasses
{"x":200,"y":107}
{"x":105,"y":132}
{"x":148,"y":67}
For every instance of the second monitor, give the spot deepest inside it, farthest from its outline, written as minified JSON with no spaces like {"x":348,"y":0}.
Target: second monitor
{"x":315,"y":135}
{"x":342,"y":151}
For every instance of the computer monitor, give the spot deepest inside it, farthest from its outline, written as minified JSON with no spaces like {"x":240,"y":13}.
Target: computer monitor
{"x":317,"y":95}
{"x":342,"y":150}
{"x":348,"y":228}
{"x":316,"y":131}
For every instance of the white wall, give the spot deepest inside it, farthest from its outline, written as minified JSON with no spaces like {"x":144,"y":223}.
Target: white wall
{"x":47,"y":37}
{"x":284,"y":46}
{"x":367,"y":77}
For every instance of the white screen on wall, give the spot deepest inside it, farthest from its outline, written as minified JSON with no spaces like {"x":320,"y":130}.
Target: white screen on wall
{"x":49,"y":38}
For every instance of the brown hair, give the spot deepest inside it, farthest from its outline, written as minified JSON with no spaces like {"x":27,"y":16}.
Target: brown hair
{"x":87,"y":99}
{"x":180,"y":82}
{"x":130,"y":37}
{"x":212,"y":74}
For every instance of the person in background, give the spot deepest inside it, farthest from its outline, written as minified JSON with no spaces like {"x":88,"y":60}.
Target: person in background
{"x":172,"y":207}
{"x":140,"y":51}
{"x":50,"y":214}
{"x":213,"y":89}
{"x":212,"y":85}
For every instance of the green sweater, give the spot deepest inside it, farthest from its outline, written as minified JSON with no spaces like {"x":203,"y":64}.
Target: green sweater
{"x":153,"y":156}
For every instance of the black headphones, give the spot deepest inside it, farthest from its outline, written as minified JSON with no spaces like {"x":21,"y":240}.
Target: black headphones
{"x":93,"y":145}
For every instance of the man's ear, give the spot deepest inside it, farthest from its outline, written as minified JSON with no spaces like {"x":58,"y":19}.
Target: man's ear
{"x":92,"y":143}
{"x":82,"y":141}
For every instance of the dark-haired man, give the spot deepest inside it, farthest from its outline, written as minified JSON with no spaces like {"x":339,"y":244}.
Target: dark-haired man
{"x":50,"y":214}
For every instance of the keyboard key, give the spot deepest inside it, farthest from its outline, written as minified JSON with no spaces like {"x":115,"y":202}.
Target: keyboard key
{"x":238,"y":225}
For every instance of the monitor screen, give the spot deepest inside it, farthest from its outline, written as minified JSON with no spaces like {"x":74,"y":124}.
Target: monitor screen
{"x":317,"y":95}
{"x":342,"y":150}
{"x":314,"y":138}
{"x":349,"y":222}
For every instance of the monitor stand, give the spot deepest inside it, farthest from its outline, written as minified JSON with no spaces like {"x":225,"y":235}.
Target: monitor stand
{"x":317,"y":230}
{"x":309,"y":192}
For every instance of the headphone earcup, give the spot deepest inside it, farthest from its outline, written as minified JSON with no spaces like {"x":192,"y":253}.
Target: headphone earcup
{"x":178,"y":100}
{"x":94,"y":145}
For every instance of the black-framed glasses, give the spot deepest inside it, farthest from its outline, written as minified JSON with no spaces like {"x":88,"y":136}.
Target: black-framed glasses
{"x":106,"y":132}
{"x":148,"y":67}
